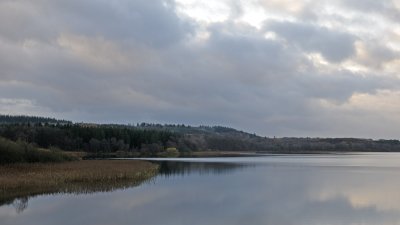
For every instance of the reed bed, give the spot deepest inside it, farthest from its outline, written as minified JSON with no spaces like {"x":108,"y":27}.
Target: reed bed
{"x":24,"y":180}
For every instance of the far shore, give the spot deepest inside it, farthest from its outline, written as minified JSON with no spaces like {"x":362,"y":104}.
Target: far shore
{"x":211,"y":154}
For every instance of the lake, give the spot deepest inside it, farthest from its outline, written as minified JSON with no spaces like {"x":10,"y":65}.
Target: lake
{"x":272,"y":189}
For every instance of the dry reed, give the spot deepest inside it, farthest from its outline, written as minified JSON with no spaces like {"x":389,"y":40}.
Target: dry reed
{"x":24,"y":180}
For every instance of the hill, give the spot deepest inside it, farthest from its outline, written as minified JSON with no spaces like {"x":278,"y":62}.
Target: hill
{"x":148,"y":140}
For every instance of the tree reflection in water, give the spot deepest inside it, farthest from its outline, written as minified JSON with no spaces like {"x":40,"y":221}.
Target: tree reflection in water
{"x":20,"y":204}
{"x":181,"y":168}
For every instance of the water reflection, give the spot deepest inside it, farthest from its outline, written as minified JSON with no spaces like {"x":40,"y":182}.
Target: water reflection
{"x":182,"y":168}
{"x":20,"y":198}
{"x":20,"y":204}
{"x":285,"y":190}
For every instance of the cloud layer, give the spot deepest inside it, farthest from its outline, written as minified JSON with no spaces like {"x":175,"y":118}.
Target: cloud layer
{"x":314,"y":68}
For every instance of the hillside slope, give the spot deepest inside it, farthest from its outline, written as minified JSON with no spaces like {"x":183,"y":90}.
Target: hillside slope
{"x":154,"y":139}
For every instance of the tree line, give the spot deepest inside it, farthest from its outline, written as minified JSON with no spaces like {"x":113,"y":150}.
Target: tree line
{"x":93,"y":139}
{"x":147,"y":139}
{"x":21,"y":119}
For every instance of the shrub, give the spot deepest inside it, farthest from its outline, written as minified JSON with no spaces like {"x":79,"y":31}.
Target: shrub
{"x":169,"y":152}
{"x":19,"y":152}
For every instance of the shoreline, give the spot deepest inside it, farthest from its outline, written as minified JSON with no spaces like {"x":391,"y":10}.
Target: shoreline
{"x":233,"y":154}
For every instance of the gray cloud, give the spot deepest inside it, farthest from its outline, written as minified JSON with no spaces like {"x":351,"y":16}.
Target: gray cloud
{"x":153,"y":23}
{"x":335,"y":46}
{"x":385,"y":8}
{"x":131,"y":61}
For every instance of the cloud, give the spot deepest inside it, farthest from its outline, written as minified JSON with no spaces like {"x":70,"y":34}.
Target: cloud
{"x":19,"y":106}
{"x":295,"y":72}
{"x":387,"y":8}
{"x":335,"y":46}
{"x":374,"y":55}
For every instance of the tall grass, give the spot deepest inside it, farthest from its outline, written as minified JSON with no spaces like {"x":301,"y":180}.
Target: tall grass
{"x":24,"y":180}
{"x":22,"y":152}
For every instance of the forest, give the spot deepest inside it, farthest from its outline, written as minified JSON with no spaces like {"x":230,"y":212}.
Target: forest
{"x":164,"y":140}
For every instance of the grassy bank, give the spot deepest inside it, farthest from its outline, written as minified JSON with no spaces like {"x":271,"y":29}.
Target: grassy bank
{"x":24,"y":180}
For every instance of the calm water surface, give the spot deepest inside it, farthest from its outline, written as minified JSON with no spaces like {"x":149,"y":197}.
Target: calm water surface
{"x":272,"y":190}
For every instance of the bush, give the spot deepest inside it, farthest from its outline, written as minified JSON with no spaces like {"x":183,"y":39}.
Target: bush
{"x":20,"y":152}
{"x":169,"y":152}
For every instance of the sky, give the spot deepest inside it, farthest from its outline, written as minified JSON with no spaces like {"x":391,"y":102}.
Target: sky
{"x":313,"y":68}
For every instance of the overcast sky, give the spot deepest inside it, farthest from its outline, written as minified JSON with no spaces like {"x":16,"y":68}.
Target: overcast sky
{"x":274,"y":67}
